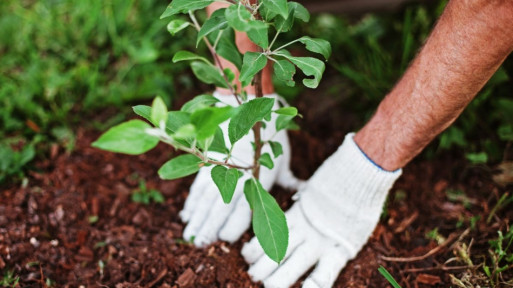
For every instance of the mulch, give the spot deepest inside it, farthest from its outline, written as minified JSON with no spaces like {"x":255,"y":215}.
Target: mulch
{"x":74,"y":224}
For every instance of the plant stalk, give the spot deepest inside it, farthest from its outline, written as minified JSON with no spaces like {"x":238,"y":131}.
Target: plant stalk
{"x":257,"y":127}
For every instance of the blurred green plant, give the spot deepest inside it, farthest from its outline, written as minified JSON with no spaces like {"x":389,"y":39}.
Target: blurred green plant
{"x":501,"y":258}
{"x":9,"y":280}
{"x":144,"y":195}
{"x":63,"y":58}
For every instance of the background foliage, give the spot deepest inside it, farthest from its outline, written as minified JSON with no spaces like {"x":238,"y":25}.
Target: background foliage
{"x":64,"y":60}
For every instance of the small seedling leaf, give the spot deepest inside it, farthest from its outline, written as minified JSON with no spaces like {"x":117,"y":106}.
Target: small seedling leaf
{"x":216,"y":22}
{"x":208,"y":119}
{"x":284,"y":71}
{"x":226,"y":180}
{"x":269,"y":222}
{"x":218,"y":144}
{"x":177,"y":25}
{"x":186,"y":55}
{"x":180,"y":166}
{"x":259,"y":36}
{"x":199,"y":102}
{"x":276,"y":148}
{"x":389,"y":277}
{"x":278,"y":6}
{"x":266,"y":161}
{"x":300,"y":12}
{"x":290,"y":111}
{"x":128,"y":138}
{"x":226,"y":48}
{"x":239,"y":18}
{"x":252,"y":63}
{"x":158,"y":111}
{"x":208,"y":74}
{"x":285,"y":122}
{"x":184,"y":6}
{"x":310,"y":67}
{"x":316,"y":45}
{"x":247,"y":115}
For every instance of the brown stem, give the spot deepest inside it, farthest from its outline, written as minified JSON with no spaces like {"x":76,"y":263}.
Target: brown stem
{"x":256,"y":129}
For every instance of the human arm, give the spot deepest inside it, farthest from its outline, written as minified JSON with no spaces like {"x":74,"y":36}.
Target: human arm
{"x":470,"y":41}
{"x":340,"y":205}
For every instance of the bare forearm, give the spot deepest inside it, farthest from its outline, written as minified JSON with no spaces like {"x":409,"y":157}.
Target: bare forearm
{"x":470,"y":41}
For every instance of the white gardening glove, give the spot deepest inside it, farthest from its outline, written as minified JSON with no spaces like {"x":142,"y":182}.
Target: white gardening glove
{"x":337,"y":210}
{"x":208,"y":217}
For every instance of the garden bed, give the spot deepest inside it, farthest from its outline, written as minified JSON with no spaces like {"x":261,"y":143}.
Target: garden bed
{"x":75,"y":223}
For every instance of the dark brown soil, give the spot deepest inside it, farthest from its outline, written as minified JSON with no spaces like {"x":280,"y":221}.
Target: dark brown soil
{"x":48,"y":234}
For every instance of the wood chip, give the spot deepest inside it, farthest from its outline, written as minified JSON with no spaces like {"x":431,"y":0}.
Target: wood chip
{"x":187,"y":278}
{"x":428,"y":279}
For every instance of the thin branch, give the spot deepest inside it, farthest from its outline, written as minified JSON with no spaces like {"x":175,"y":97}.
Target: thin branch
{"x":274,"y":39}
{"x":257,"y":127}
{"x":164,"y":137}
{"x":285,"y":45}
{"x":216,"y":58}
{"x":248,"y":7}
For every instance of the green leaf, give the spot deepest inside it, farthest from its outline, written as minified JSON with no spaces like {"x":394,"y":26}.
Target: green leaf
{"x":247,"y":115}
{"x":266,"y":13}
{"x":186,"y":55}
{"x":218,"y":144}
{"x":177,"y":25}
{"x":316,"y":45}
{"x":184,"y":6}
{"x":143,"y":111}
{"x":208,"y":119}
{"x":477,"y":158}
{"x":158,"y":112}
{"x":239,"y":18}
{"x":208,"y":74}
{"x":278,"y":6}
{"x":229,"y":74}
{"x":285,"y":122}
{"x":180,"y":166}
{"x":156,"y":196}
{"x":177,"y":119}
{"x":226,"y":48}
{"x":266,"y":161}
{"x":187,"y":131}
{"x":129,"y":138}
{"x":389,"y":277}
{"x":253,"y":62}
{"x":284,"y":71}
{"x":216,"y":22}
{"x":300,"y":12}
{"x":269,"y":222}
{"x":291,"y":111}
{"x":284,"y":24}
{"x":276,"y":148}
{"x":198,"y":102}
{"x":296,"y":10}
{"x":226,"y":180}
{"x":259,"y":36}
{"x":310,"y":67}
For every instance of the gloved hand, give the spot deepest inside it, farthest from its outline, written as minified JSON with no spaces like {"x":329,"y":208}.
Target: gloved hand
{"x":337,"y":210}
{"x":208,"y":217}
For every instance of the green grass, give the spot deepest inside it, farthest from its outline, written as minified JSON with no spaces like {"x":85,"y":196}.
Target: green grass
{"x":63,"y":59}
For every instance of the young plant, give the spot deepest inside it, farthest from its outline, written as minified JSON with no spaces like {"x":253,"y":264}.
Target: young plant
{"x":144,"y":195}
{"x":9,"y":280}
{"x":194,"y":129}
